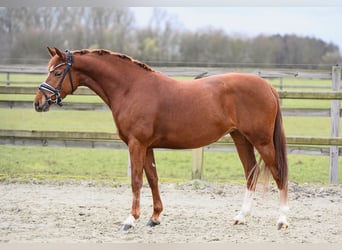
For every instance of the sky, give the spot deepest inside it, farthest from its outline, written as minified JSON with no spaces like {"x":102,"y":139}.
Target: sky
{"x":319,"y":22}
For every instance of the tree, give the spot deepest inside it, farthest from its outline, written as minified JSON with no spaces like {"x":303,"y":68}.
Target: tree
{"x":159,"y":41}
{"x":25,"y":32}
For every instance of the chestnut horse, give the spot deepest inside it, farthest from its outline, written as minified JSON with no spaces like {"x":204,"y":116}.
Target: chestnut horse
{"x":152,"y":110}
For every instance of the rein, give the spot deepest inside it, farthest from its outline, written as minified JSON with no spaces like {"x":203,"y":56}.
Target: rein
{"x":56,"y":91}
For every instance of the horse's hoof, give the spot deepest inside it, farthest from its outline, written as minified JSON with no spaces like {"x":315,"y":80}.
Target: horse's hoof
{"x":128,"y":223}
{"x":238,"y":222}
{"x":152,"y":223}
{"x":126,"y":227}
{"x":282,"y":225}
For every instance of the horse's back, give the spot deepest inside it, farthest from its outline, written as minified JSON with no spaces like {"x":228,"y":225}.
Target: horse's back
{"x":239,"y":82}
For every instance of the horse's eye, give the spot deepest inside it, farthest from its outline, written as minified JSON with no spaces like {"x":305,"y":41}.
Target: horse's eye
{"x":58,"y":73}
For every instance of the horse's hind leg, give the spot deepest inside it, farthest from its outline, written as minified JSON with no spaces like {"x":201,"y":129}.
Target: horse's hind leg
{"x":267,"y":153}
{"x":246,"y":153}
{"x":152,"y":177}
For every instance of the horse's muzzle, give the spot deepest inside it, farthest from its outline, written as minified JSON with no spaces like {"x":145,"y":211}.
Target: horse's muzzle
{"x":41,"y":107}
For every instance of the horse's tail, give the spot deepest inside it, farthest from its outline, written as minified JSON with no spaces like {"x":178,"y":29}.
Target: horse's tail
{"x":279,"y":141}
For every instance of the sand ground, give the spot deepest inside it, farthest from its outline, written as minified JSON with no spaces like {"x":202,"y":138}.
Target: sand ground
{"x":194,"y":211}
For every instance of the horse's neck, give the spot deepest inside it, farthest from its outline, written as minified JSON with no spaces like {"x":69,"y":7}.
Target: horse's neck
{"x":106,"y":81}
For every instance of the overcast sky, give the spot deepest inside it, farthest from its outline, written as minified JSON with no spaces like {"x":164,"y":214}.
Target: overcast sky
{"x":319,"y":22}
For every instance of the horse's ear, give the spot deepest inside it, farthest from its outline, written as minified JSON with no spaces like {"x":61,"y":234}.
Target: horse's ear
{"x":51,"y":52}
{"x":59,"y":53}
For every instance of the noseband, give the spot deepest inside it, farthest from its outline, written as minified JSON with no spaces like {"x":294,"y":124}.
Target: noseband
{"x":55,"y":91}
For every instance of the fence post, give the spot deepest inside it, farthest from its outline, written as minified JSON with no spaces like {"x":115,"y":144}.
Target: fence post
{"x":335,"y":124}
{"x":8,"y":81}
{"x":197,"y":163}
{"x":281,"y":87}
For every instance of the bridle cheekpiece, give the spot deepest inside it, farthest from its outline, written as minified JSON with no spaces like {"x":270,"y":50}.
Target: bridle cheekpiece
{"x":56,"y":91}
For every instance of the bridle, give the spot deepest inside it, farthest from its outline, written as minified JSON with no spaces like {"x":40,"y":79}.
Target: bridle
{"x":56,"y":91}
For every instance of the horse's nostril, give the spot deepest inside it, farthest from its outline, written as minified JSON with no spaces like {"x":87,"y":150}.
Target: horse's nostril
{"x":37,"y":107}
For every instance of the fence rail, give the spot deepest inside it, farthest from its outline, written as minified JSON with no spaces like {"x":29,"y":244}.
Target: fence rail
{"x":296,"y":144}
{"x":106,"y":136}
{"x":316,"y":145}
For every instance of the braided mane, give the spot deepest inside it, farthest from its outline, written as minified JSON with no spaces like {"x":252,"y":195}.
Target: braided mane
{"x":102,"y":52}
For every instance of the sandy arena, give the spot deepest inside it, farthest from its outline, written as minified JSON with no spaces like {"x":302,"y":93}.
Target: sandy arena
{"x":194,"y":211}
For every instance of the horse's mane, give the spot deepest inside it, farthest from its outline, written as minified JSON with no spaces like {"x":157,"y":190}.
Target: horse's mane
{"x":102,"y":52}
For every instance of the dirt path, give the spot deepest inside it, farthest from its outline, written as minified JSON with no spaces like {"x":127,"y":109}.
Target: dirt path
{"x":193,"y":212}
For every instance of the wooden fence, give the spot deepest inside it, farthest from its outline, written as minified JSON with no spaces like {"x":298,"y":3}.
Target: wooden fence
{"x":311,"y":145}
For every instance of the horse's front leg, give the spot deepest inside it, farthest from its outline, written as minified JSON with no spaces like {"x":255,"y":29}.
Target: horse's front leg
{"x":152,"y":177}
{"x":137,"y":156}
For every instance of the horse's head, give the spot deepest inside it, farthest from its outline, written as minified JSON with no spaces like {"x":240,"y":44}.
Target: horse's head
{"x":57,"y":85}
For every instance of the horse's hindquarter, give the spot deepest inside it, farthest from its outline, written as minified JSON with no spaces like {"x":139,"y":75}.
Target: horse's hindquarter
{"x":255,"y":105}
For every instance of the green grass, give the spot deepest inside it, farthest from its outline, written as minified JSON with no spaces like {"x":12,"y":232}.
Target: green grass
{"x":48,"y":163}
{"x":307,"y":126}
{"x":22,"y":79}
{"x":72,"y":162}
{"x":28,"y":119}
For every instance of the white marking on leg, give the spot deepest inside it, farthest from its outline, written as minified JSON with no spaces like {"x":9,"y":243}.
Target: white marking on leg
{"x":153,"y":165}
{"x":130,"y":221}
{"x":246,"y":207}
{"x":284,"y":208}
